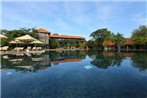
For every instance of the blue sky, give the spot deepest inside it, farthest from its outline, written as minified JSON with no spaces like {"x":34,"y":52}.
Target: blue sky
{"x":75,"y":17}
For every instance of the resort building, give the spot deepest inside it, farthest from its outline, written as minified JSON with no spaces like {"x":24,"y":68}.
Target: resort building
{"x":128,"y":43}
{"x":110,"y":45}
{"x":43,"y":35}
{"x":46,"y":36}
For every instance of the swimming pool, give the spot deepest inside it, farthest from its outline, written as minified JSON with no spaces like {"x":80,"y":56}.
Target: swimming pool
{"x":74,"y":74}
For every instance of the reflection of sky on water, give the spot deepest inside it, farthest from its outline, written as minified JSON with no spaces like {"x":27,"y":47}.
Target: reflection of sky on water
{"x":122,"y":76}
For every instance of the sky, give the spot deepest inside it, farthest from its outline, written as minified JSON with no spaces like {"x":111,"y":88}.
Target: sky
{"x":74,"y":17}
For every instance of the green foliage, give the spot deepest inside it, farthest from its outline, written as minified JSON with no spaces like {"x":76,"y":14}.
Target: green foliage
{"x":11,"y":34}
{"x":102,"y":35}
{"x":54,"y":43}
{"x":140,"y":61}
{"x":119,"y":40}
{"x":81,"y":44}
{"x":140,"y":35}
{"x":91,"y":44}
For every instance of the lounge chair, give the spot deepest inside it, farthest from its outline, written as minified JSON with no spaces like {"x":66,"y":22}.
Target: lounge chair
{"x":18,"y":48}
{"x":34,"y":48}
{"x":39,"y":48}
{"x":15,"y":49}
{"x":28,"y":48}
{"x":1,"y":48}
{"x":4,"y":48}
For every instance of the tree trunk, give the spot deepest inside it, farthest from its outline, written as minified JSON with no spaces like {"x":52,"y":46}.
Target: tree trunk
{"x":118,"y":48}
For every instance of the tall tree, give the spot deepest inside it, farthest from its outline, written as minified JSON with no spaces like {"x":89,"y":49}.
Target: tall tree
{"x":119,"y":40}
{"x":140,"y":36}
{"x":100,"y":35}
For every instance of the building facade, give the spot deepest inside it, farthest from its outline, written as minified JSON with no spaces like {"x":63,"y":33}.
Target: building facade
{"x":45,"y":36}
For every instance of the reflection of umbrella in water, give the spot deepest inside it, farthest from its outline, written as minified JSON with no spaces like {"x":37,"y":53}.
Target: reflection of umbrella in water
{"x":2,"y":37}
{"x":37,"y":59}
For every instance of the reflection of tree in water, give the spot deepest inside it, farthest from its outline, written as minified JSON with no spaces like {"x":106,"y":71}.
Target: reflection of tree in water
{"x":140,"y":61}
{"x":5,"y":63}
{"x":118,"y":58}
{"x":105,"y":59}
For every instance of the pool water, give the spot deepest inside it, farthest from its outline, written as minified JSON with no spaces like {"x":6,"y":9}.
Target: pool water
{"x":74,"y":74}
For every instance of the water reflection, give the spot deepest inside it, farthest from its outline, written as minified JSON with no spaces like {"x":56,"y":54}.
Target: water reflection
{"x":140,"y":61}
{"x":35,"y":62}
{"x":100,"y":59}
{"x":106,"y":59}
{"x":75,"y":74}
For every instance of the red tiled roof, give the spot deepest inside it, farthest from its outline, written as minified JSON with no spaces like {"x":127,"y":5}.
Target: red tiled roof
{"x":128,"y":41}
{"x":66,"y":37}
{"x":108,"y":43}
{"x":41,"y":30}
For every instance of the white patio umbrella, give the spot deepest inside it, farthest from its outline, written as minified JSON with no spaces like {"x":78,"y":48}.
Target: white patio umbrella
{"x":36,"y":42}
{"x":26,"y":38}
{"x":16,"y":42}
{"x":2,"y":37}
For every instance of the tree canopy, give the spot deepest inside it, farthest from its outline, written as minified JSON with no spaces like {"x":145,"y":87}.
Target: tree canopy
{"x":11,"y":34}
{"x":140,"y":35}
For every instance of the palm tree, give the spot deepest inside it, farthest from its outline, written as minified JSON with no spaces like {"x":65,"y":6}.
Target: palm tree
{"x":119,"y":40}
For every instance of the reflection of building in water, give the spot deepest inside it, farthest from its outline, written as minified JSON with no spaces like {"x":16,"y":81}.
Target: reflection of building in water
{"x":66,"y":61}
{"x":128,"y":54}
{"x":109,"y":53}
{"x":66,"y":56}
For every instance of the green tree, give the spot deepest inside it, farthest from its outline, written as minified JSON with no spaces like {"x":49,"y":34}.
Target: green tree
{"x":100,"y":36}
{"x":54,"y":43}
{"x":91,"y":44}
{"x":139,"y":36}
{"x":81,"y":45}
{"x":119,"y":40}
{"x":11,"y":34}
{"x":109,"y":37}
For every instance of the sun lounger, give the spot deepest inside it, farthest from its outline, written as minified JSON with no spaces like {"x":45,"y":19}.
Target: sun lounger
{"x":18,"y":48}
{"x":4,"y":48}
{"x":38,"y":48}
{"x":0,"y":48}
{"x":34,"y":48}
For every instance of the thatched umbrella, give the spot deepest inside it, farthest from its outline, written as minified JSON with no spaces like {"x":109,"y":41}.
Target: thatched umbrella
{"x":36,"y":42}
{"x":2,"y":37}
{"x":26,"y":38}
{"x":16,"y":42}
